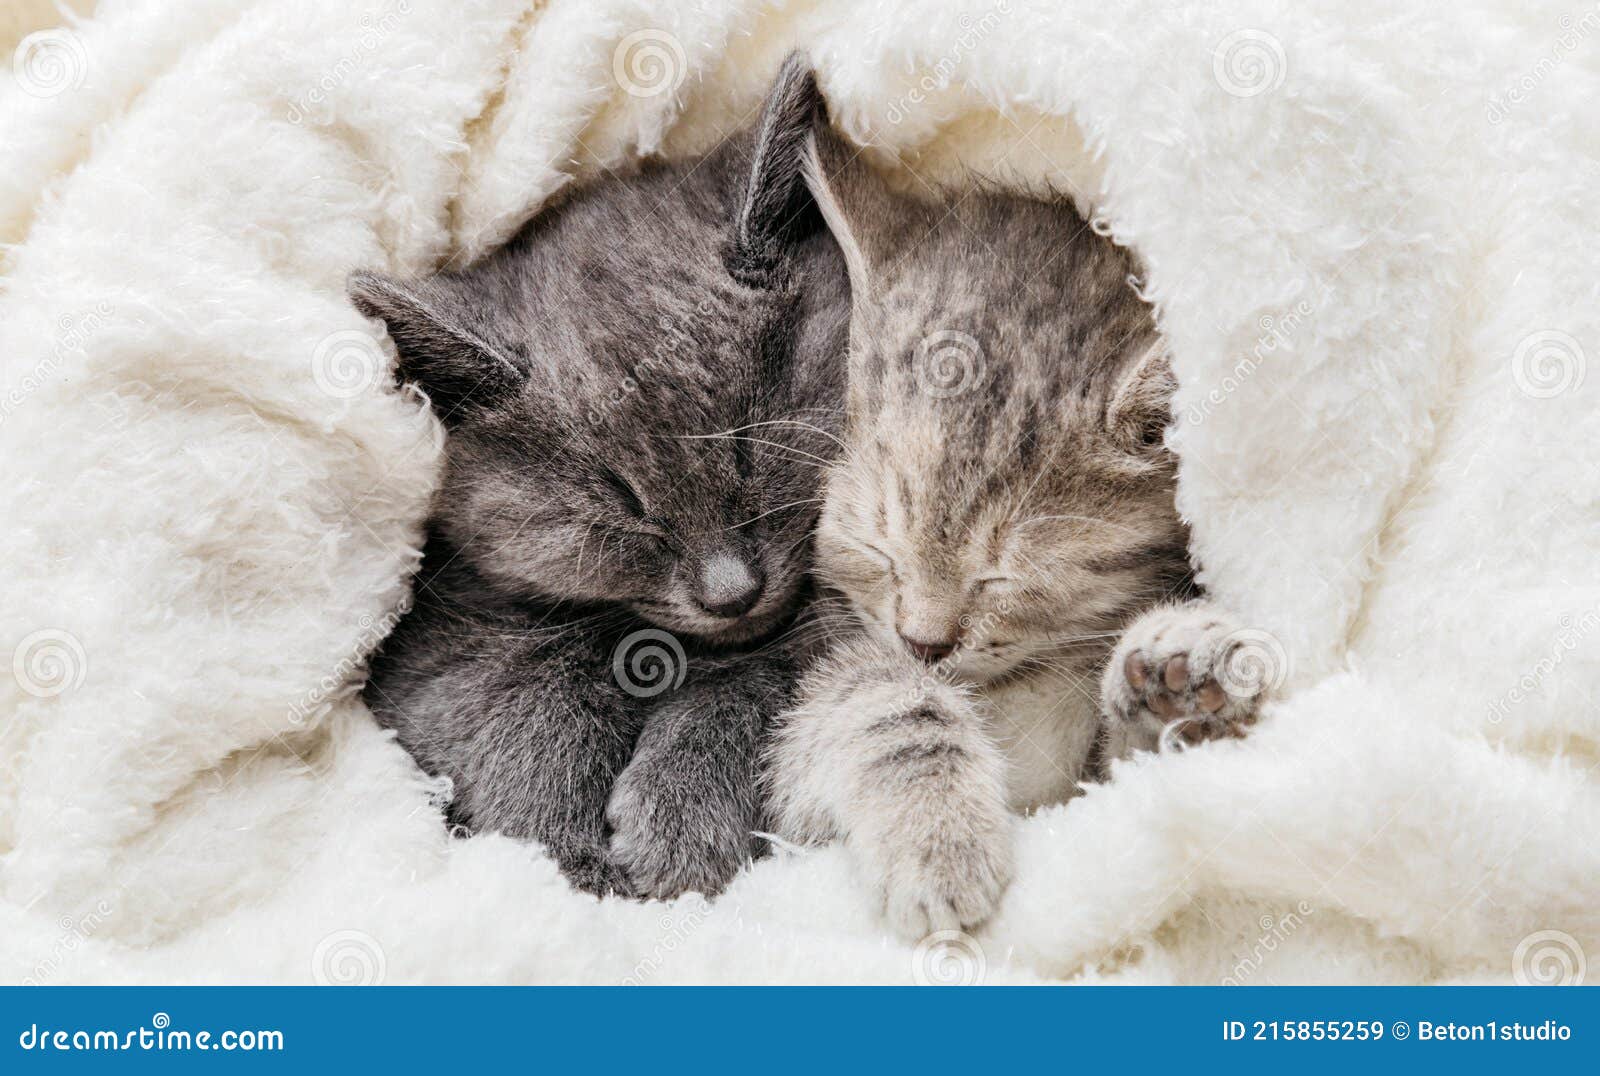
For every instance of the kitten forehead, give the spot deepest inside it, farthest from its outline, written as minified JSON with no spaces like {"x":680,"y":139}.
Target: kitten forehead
{"x":591,"y":291}
{"x":1023,"y":288}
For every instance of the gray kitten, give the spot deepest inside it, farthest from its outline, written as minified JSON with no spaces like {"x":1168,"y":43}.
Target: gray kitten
{"x":638,"y":391}
{"x":1002,"y":513}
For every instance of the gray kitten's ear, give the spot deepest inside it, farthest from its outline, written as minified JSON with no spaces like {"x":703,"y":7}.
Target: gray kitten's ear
{"x":776,"y":210}
{"x":438,"y":350}
{"x":1140,"y":409}
{"x":856,"y":205}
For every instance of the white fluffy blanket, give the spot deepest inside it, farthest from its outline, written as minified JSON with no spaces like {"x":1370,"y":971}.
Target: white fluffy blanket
{"x":1370,"y":231}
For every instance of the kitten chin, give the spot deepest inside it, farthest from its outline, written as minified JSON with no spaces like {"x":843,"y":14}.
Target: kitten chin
{"x":717,"y":633}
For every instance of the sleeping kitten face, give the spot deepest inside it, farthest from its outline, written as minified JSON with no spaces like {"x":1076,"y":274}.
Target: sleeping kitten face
{"x":641,"y":388}
{"x":1005,"y":500}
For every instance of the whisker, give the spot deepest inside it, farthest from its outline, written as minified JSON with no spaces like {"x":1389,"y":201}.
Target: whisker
{"x":790,"y":422}
{"x":770,"y":511}
{"x":586,"y":532}
{"x":729,"y":436}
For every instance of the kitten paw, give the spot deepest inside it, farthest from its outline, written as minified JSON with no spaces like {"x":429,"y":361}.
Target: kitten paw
{"x":1191,"y":670}
{"x":593,"y":871}
{"x":952,"y":883}
{"x":673,"y":836}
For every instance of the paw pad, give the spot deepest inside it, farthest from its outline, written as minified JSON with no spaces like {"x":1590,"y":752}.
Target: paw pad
{"x":1170,"y":693}
{"x":1171,"y":674}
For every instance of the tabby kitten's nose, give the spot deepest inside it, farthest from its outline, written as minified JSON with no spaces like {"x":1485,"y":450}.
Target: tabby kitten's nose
{"x":729,"y":586}
{"x":929,"y":652}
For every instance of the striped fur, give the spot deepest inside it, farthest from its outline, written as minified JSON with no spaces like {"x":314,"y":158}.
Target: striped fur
{"x":1004,"y":491}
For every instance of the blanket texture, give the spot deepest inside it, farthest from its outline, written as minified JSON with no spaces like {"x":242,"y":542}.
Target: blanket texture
{"x":1369,"y":231}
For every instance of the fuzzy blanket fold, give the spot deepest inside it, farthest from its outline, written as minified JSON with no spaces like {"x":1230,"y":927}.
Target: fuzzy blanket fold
{"x":1368,"y":230}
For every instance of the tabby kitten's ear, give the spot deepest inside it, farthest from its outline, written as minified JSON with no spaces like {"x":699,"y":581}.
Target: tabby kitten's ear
{"x":776,"y":211}
{"x":1140,"y":409}
{"x":865,"y":217}
{"x":438,"y":350}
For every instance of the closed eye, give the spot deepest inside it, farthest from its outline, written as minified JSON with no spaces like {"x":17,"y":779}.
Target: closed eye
{"x":625,"y":492}
{"x":882,"y":558}
{"x":990,"y":582}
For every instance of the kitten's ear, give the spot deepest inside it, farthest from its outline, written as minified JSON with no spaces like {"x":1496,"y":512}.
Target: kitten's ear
{"x":856,"y":205}
{"x":438,"y":350}
{"x":1141,"y":405}
{"x":776,"y":210}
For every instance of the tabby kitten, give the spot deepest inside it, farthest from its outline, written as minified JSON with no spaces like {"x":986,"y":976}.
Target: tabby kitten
{"x":1002,"y":513}
{"x":637,"y":392}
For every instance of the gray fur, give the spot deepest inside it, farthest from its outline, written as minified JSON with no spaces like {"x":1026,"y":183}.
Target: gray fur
{"x":638,"y":390}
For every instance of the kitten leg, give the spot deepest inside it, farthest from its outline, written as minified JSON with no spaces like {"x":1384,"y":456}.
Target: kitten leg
{"x":529,"y":756}
{"x":901,"y":765}
{"x":684,"y":812}
{"x":1187,"y":667}
{"x":544,"y":773}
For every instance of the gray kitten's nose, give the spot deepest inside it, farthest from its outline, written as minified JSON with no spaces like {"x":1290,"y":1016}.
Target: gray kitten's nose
{"x":929,"y":652}
{"x":729,"y":585}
